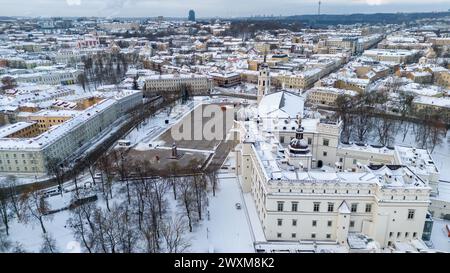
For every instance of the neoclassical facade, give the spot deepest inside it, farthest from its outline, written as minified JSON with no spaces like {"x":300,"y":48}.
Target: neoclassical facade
{"x":306,"y":185}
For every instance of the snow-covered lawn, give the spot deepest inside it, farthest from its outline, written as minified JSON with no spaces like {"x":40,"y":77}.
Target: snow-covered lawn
{"x":228,"y":229}
{"x":29,"y":236}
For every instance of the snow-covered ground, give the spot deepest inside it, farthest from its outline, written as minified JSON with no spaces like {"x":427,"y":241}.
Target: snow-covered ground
{"x":228,"y":229}
{"x":29,"y":236}
{"x":441,"y":153}
{"x":439,"y":236}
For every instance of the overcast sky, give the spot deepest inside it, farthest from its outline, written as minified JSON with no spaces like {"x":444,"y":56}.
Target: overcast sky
{"x":210,"y":8}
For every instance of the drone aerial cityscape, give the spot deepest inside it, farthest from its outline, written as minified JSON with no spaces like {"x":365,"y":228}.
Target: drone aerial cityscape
{"x":316,"y":133}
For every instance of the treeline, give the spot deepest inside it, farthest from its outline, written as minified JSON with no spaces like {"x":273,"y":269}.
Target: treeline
{"x":360,"y":18}
{"x":248,"y":28}
{"x":105,"y":68}
{"x":367,"y":114}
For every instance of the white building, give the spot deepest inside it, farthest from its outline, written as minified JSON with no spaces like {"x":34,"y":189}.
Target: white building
{"x":391,"y":55}
{"x":30,"y":155}
{"x":196,"y":84}
{"x":292,"y":171}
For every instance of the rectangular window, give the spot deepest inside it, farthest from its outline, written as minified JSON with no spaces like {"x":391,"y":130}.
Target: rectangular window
{"x":414,"y":234}
{"x":279,"y":222}
{"x":352,"y":223}
{"x":281,"y":139}
{"x":314,"y":223}
{"x":294,"y":235}
{"x":294,"y":222}
{"x":341,"y":159}
{"x":411,"y":214}
{"x":368,"y":207}
{"x":354,"y":207}
{"x":406,"y":234}
{"x":313,"y":235}
{"x":330,"y":207}
{"x":329,"y":223}
{"x":280,"y":206}
{"x":294,"y":206}
{"x":309,"y":141}
{"x":328,"y":236}
{"x":326,"y":142}
{"x":316,"y":206}
{"x":399,"y":234}
{"x":278,"y":235}
{"x":355,"y":161}
{"x":390,"y":234}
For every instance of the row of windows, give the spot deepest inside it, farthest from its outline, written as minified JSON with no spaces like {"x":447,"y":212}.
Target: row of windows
{"x":294,"y":223}
{"x":400,"y":234}
{"x":294,"y":235}
{"x":50,"y":120}
{"x":329,"y":192}
{"x":330,"y":207}
{"x":21,"y":155}
{"x":17,"y":161}
{"x":2,"y":168}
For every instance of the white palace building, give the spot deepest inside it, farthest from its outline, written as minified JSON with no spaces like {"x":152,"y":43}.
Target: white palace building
{"x":307,"y":186}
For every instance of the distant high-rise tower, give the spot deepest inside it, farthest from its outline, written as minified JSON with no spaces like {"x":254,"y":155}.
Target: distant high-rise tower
{"x":191,"y":15}
{"x":320,"y":3}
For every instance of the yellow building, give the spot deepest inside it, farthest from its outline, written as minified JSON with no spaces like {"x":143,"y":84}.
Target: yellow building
{"x":326,"y":95}
{"x":20,"y":130}
{"x":442,"y":78}
{"x":45,"y":119}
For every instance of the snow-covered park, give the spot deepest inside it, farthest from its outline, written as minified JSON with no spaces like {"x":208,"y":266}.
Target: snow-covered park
{"x":223,"y":227}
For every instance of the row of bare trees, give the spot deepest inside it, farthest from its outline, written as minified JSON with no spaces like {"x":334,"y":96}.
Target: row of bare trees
{"x":140,"y":208}
{"x":362,"y":121}
{"x":103,"y":68}
{"x":151,"y":210}
{"x":27,"y":207}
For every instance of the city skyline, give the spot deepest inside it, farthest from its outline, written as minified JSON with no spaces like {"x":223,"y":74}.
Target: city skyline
{"x":213,"y":8}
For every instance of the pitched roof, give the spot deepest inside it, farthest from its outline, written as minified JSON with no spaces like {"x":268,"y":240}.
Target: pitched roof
{"x":343,"y":208}
{"x":281,"y":104}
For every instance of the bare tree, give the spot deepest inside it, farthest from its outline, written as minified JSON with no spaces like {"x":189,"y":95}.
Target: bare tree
{"x":173,"y":234}
{"x":48,"y":244}
{"x":173,"y":170}
{"x":385,"y":129}
{"x":122,"y":167}
{"x":199,"y":185}
{"x":105,"y":165}
{"x":187,"y":199}
{"x":159,"y":188}
{"x":437,"y":134}
{"x":344,"y":104}
{"x":5,"y":243}
{"x":127,"y":234}
{"x":362,"y":123}
{"x":12,"y":194}
{"x":4,"y":206}
{"x":34,"y":206}
{"x":55,"y":168}
{"x":82,"y":80}
{"x":91,"y":166}
{"x":213,"y":180}
{"x":17,"y":248}
{"x":82,"y":225}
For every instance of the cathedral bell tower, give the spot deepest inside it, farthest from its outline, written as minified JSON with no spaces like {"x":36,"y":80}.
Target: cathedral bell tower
{"x":263,"y":80}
